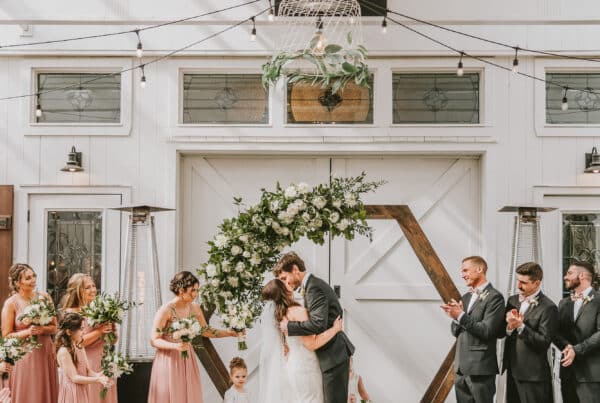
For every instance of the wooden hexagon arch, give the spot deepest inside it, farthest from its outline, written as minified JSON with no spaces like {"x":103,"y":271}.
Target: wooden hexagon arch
{"x":440,"y":386}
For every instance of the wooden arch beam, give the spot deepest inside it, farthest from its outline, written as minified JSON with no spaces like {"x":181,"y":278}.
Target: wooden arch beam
{"x":441,"y":384}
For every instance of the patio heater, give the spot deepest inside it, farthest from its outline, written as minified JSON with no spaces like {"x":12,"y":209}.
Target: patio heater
{"x":140,"y":283}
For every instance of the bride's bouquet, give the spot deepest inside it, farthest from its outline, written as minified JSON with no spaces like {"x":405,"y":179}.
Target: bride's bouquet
{"x":107,"y":308}
{"x":184,"y":329}
{"x":12,"y":349}
{"x":39,"y":312}
{"x":113,"y":366}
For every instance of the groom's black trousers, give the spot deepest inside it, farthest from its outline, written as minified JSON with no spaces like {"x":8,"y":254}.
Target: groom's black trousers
{"x":335,"y":383}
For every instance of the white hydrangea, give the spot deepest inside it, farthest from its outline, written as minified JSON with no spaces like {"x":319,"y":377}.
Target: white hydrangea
{"x":343,"y":224}
{"x":246,"y":254}
{"x":239,"y":267}
{"x":243,"y":238}
{"x":236,"y":250}
{"x":337,"y":203}
{"x":255,"y":259}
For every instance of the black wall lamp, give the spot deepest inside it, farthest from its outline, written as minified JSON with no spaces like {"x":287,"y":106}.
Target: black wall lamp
{"x":74,"y":162}
{"x":592,"y":162}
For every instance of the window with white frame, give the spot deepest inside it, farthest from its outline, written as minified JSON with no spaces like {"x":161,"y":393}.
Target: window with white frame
{"x":435,"y":98}
{"x":312,"y":104}
{"x":78,"y":97}
{"x":224,"y":99}
{"x":583,"y":98}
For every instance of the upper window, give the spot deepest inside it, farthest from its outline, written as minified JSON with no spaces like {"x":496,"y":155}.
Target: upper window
{"x":311,"y":104}
{"x":78,"y":98}
{"x":438,"y":98}
{"x":583,"y":106}
{"x":224,"y":99}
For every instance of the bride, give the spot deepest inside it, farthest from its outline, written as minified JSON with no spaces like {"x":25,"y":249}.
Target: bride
{"x":293,"y":376}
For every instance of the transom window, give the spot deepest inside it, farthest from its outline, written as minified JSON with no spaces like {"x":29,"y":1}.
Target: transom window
{"x":438,"y":98}
{"x":78,"y":98}
{"x":583,"y":98}
{"x":224,"y":99}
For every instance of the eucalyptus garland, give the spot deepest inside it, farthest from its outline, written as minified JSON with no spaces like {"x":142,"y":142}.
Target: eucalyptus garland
{"x":248,"y":246}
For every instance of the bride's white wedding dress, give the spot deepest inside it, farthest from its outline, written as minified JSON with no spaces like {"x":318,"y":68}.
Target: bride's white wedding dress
{"x":304,"y":373}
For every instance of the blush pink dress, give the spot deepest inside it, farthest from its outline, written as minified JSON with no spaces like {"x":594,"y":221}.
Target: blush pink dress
{"x":174,"y":379}
{"x":94,"y":356}
{"x":34,"y":377}
{"x":71,"y":392}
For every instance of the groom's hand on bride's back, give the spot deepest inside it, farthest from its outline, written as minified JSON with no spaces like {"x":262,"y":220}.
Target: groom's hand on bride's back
{"x":283,"y":325}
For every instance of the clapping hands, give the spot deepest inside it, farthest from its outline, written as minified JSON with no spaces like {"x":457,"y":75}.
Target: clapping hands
{"x":453,"y":308}
{"x":514,"y":319}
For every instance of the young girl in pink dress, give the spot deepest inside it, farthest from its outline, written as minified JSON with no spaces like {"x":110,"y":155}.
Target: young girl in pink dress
{"x":76,"y":371}
{"x":81,"y":290}
{"x":34,"y":377}
{"x":176,"y":379}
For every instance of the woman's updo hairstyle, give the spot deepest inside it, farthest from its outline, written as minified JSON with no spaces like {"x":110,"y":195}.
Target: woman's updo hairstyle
{"x":182,"y":281}
{"x":14,"y":276}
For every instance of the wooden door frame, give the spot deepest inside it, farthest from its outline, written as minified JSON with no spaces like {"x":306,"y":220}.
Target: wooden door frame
{"x":6,"y":239}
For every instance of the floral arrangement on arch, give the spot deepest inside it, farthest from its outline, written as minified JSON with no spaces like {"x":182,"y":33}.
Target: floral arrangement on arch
{"x":248,"y":246}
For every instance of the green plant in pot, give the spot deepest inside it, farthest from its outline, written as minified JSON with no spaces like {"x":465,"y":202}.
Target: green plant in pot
{"x":331,"y":66}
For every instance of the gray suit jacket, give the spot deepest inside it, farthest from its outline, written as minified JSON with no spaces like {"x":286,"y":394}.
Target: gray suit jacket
{"x":477,"y":333}
{"x":323,"y":307}
{"x":526,"y":354}
{"x":583,"y":334}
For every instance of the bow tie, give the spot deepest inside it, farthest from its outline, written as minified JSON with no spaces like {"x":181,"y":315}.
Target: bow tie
{"x":475,"y":291}
{"x":524,"y":299}
{"x":575,"y":296}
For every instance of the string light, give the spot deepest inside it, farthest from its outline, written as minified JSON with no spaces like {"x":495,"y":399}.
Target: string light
{"x":564,"y":106}
{"x":459,"y":69}
{"x":38,"y":108}
{"x":140,"y":50}
{"x":383,"y":26}
{"x":271,"y":15}
{"x":515,"y":65}
{"x":253,"y":33}
{"x":320,"y":46}
{"x":143,"y":79}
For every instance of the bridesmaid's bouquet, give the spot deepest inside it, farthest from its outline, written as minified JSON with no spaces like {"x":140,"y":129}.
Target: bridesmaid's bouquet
{"x":12,"y":349}
{"x":107,"y":308}
{"x":184,"y":329}
{"x":39,"y":312}
{"x":113,"y":366}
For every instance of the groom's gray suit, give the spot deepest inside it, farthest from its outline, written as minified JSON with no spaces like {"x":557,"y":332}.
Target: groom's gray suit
{"x":334,"y":357}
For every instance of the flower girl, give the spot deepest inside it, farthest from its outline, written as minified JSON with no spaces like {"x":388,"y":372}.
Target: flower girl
{"x":238,"y":373}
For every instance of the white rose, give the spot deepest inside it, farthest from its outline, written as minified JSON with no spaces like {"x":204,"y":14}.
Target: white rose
{"x":225,"y":269}
{"x":319,"y":202}
{"x":283,"y":216}
{"x":246,"y":254}
{"x":268,"y":221}
{"x":255,"y":260}
{"x":176,"y":325}
{"x":233,"y":281}
{"x":177,"y":335}
{"x":300,"y":205}
{"x":221,"y":241}
{"x":211,"y":270}
{"x":343,"y":224}
{"x":215,"y":282}
{"x":337,"y":203}
{"x":290,"y":192}
{"x":306,"y":216}
{"x":275,"y":225}
{"x":285,"y":231}
{"x":334,"y":217}
{"x":239,"y":267}
{"x":236,"y":250}
{"x":317,"y":223}
{"x":243,"y":238}
{"x":302,"y":188}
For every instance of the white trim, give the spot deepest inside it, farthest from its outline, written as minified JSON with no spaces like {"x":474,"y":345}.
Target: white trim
{"x":28,"y":69}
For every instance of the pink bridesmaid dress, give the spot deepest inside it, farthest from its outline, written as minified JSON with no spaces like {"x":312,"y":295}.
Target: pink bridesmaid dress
{"x":71,"y":392}
{"x":34,"y":377}
{"x":174,"y":379}
{"x":94,"y":355}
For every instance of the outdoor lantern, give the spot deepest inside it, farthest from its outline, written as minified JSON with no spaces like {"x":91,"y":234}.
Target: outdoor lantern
{"x":74,"y":162}
{"x":592,"y":162}
{"x":140,"y":283}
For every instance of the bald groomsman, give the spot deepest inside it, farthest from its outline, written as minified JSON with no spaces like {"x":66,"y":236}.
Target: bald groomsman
{"x":579,"y":336}
{"x":478,"y":320}
{"x":531,"y":323}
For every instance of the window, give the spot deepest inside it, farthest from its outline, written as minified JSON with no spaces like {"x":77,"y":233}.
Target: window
{"x":584,"y":106}
{"x":74,"y":245}
{"x":438,"y":98}
{"x":224,"y":99}
{"x":311,"y":104}
{"x":581,"y":240}
{"x":79,"y":97}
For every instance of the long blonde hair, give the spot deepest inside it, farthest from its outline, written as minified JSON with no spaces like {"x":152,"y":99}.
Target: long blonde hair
{"x":74,"y":298}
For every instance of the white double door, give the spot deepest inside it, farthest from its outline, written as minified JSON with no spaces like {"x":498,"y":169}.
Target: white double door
{"x":392,"y":312}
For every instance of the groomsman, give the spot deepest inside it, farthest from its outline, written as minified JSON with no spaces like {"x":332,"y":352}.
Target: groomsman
{"x":531,"y":323}
{"x":477,"y":321}
{"x":579,"y":336}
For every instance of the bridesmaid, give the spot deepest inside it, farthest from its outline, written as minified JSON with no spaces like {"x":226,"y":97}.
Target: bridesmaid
{"x":81,"y":290}
{"x":72,"y":359}
{"x":176,"y":379}
{"x":34,"y":377}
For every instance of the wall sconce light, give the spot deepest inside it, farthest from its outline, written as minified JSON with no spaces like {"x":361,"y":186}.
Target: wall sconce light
{"x":592,"y":162}
{"x":74,"y":162}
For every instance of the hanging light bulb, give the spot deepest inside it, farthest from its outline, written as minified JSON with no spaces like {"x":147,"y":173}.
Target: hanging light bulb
{"x":459,"y":69}
{"x":352,"y":20}
{"x":564,"y":106}
{"x":143,"y":79}
{"x":140,"y":49}
{"x":38,"y":108}
{"x":384,"y":26}
{"x":253,"y":33}
{"x":320,"y":45}
{"x":271,"y":15}
{"x":515,"y":66}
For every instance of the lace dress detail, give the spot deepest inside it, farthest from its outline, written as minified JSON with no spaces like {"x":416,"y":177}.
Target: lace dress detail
{"x":304,"y":373}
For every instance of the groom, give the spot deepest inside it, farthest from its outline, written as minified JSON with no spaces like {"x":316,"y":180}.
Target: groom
{"x":323,"y":308}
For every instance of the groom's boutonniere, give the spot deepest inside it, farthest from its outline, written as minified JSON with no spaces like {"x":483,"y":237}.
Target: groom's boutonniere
{"x":588,"y":299}
{"x":484,"y":295}
{"x":533,"y":302}
{"x":302,"y":292}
